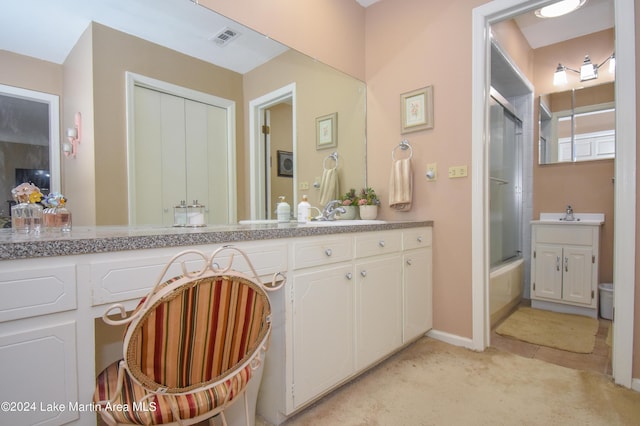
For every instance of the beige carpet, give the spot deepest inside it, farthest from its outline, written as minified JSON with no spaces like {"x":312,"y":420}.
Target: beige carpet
{"x":434,"y":383}
{"x":573,"y":333}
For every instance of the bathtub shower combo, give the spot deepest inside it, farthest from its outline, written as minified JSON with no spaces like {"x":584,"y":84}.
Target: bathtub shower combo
{"x":505,"y":181}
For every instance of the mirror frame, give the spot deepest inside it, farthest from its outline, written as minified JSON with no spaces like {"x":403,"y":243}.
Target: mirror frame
{"x":53,"y":103}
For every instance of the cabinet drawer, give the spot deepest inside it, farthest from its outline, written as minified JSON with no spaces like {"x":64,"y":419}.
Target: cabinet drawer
{"x":330,"y":250}
{"x":29,"y":292}
{"x":378,"y":243}
{"x":569,"y":234}
{"x":416,"y":238}
{"x":120,"y":279}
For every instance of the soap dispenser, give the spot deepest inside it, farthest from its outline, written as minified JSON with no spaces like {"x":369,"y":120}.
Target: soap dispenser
{"x":283,"y":210}
{"x":303,"y":210}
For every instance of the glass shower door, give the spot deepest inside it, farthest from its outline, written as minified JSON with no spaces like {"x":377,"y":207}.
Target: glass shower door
{"x":505,"y":181}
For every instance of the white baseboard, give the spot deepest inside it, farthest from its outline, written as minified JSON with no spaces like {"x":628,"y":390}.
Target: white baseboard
{"x":452,"y":339}
{"x":635,"y":385}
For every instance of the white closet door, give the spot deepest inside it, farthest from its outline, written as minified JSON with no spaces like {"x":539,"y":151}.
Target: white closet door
{"x":181,"y":153}
{"x":173,"y":171}
{"x":147,"y":158}
{"x":207,"y":159}
{"x":219,"y":169}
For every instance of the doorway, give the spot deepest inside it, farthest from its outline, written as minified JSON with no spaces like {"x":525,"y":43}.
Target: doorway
{"x":272,"y":174}
{"x":625,"y":165}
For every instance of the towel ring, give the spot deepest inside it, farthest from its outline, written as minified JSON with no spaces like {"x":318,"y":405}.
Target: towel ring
{"x":404,"y":145}
{"x":333,"y":156}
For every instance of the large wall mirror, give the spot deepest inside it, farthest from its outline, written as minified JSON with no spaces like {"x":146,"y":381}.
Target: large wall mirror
{"x":187,"y":45}
{"x":577,"y":124}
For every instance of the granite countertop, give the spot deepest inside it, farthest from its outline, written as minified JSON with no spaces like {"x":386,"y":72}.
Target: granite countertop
{"x":102,"y":239}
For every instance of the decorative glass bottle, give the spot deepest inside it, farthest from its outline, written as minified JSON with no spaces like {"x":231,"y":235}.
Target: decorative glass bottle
{"x":56,"y":216}
{"x":26,"y":218}
{"x":26,"y":215}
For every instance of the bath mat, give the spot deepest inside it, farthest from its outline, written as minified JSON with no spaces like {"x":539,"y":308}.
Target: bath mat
{"x":572,"y":333}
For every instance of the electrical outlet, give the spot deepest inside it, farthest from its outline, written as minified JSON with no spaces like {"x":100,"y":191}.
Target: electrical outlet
{"x":304,"y":186}
{"x":457,"y":172}
{"x":432,"y":172}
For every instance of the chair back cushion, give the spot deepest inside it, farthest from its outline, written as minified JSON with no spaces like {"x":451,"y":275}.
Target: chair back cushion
{"x":195,"y":334}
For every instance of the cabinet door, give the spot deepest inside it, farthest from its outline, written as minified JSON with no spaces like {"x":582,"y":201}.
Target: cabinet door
{"x":418,"y":311}
{"x":577,"y":274}
{"x":323,"y":324}
{"x":547,"y":270}
{"x":378,"y":308}
{"x":39,"y":379}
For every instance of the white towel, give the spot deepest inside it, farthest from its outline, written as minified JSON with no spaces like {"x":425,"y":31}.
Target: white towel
{"x":401,"y":185}
{"x":329,"y":186}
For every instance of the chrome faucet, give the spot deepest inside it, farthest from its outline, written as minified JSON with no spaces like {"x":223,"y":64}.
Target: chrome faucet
{"x":568,"y":215}
{"x":330,"y":210}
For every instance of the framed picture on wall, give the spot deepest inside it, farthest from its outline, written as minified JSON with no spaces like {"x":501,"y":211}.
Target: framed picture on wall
{"x":327,"y":131}
{"x":417,"y":110}
{"x":285,"y":164}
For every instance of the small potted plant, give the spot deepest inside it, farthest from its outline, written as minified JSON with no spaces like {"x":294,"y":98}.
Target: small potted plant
{"x":368,"y":202}
{"x":350,"y":204}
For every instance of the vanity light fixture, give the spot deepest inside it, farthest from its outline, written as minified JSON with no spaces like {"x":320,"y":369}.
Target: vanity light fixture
{"x":74,"y":134}
{"x":588,"y":70}
{"x":559,"y":8}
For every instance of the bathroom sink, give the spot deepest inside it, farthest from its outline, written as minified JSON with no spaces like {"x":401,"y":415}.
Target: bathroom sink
{"x":579,"y":218}
{"x":342,"y":223}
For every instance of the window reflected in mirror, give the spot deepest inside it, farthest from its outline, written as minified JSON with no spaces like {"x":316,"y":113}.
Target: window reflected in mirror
{"x":577,"y":125}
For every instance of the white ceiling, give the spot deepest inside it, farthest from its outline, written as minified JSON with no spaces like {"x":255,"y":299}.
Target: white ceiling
{"x":594,"y":16}
{"x":48,"y":29}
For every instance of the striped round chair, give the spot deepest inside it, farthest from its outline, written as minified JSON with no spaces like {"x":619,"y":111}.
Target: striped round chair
{"x":190,"y":347}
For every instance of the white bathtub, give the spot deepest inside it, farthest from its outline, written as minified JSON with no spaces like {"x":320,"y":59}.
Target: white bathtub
{"x":506,"y":284}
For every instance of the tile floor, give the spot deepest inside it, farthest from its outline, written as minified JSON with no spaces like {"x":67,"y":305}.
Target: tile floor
{"x":599,"y":360}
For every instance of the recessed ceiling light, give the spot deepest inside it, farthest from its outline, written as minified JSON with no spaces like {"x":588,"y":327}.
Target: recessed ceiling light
{"x":559,"y":8}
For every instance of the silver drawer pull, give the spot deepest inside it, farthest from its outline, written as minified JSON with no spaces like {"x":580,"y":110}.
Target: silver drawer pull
{"x":328,"y":252}
{"x":363,"y":273}
{"x":419,"y":239}
{"x":409,"y":262}
{"x":381,"y":243}
{"x":348,"y":275}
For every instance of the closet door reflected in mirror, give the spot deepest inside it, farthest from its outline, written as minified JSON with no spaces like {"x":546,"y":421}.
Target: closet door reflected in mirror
{"x":179,"y":152}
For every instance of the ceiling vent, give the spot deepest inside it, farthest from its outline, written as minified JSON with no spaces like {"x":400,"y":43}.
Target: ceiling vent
{"x":225,"y":36}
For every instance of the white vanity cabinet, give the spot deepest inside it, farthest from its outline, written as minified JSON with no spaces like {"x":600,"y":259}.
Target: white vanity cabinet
{"x":38,"y":344}
{"x":564,"y":267}
{"x":351,"y":298}
{"x":353,"y":302}
{"x":418,"y":284}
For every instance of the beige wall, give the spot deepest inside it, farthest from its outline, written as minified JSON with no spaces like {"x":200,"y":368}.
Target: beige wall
{"x":320,"y":90}
{"x":113,"y":54}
